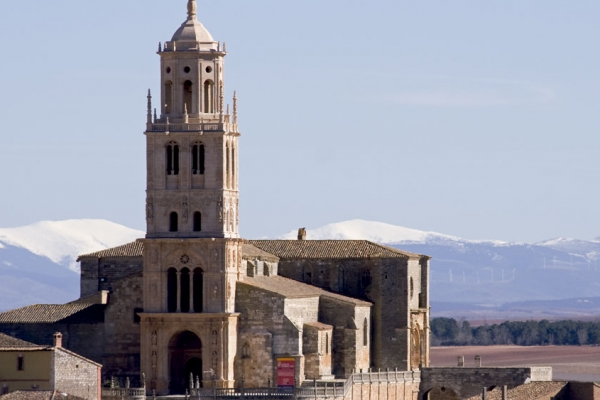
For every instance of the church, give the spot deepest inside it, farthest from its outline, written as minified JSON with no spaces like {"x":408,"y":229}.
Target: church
{"x":192,"y":298}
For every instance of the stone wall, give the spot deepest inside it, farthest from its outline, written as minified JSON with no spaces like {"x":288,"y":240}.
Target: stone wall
{"x":121,"y":356}
{"x":101,"y":274}
{"x":385,"y":386}
{"x":351,"y":349}
{"x":397,"y":287}
{"x":75,"y":375}
{"x":467,"y":382}
{"x":86,"y":339}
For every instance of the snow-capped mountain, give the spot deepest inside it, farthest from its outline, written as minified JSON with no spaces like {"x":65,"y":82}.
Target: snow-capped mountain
{"x":379,"y":232}
{"x":37,"y":265}
{"x":37,"y":262}
{"x":63,"y":241}
{"x":488,"y":275}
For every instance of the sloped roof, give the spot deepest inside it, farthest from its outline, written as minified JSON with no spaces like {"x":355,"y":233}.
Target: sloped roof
{"x":529,"y":391}
{"x":51,"y":313}
{"x":290,"y":288}
{"x":332,"y":249}
{"x":285,"y":249}
{"x":319,"y":326}
{"x":250,"y":251}
{"x":9,"y":342}
{"x":133,"y":249}
{"x":38,"y":395}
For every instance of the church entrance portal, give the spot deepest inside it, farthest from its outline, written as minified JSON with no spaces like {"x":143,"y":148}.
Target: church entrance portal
{"x":185,"y":357}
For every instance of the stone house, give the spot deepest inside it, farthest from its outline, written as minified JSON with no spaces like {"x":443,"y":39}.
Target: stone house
{"x":192,"y":298}
{"x":26,"y":366}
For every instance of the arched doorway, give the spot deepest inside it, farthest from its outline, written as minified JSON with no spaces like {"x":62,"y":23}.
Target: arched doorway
{"x":441,"y":393}
{"x":193,"y":368}
{"x":185,"y":356}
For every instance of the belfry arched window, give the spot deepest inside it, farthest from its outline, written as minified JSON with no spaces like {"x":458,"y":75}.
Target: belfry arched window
{"x":184,"y":277}
{"x":232,"y":166}
{"x":173,"y":222}
{"x":168,"y":96}
{"x":197,"y":221}
{"x":198,"y":158}
{"x":227,"y":165}
{"x":198,"y":290}
{"x":172,"y":150}
{"x":171,"y":290}
{"x":187,"y":96}
{"x":208,"y":97}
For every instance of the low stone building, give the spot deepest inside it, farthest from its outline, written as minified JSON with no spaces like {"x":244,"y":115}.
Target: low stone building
{"x":27,"y":367}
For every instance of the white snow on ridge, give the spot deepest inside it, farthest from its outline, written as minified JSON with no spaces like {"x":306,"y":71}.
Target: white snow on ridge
{"x":378,"y":232}
{"x":63,"y":241}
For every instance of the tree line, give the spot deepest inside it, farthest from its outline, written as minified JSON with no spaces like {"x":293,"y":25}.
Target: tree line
{"x":449,"y":332}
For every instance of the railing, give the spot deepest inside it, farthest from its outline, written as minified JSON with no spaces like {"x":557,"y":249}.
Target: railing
{"x":119,"y":393}
{"x":208,"y":127}
{"x":322,"y":390}
{"x":387,"y":376}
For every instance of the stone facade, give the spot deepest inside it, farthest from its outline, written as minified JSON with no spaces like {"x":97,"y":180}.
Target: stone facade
{"x":193,"y":299}
{"x":462,"y":382}
{"x":27,"y":366}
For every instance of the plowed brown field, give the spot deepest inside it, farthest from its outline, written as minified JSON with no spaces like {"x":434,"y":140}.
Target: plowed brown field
{"x":577,"y":363}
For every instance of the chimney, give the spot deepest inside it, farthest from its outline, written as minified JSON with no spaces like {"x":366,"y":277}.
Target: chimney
{"x":58,"y":339}
{"x":302,"y":234}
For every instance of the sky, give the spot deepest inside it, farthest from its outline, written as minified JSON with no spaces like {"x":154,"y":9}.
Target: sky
{"x":470,"y":118}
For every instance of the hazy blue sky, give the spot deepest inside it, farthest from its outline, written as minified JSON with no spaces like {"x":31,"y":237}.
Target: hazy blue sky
{"x":478,"y":119}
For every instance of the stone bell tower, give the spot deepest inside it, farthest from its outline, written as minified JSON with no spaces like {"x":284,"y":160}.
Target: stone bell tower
{"x":192,"y":250}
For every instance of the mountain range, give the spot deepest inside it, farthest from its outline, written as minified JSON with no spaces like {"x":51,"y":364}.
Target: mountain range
{"x":472,"y":279}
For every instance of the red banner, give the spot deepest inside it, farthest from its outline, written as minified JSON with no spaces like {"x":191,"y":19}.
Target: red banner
{"x":286,"y":371}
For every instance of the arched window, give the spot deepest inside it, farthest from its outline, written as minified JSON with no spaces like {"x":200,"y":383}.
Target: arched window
{"x":208,"y":97}
{"x":365,"y":279}
{"x":198,"y":289}
{"x":365,"y":333}
{"x":266,"y":271}
{"x":168,"y":96}
{"x":172,"y":158}
{"x":185,"y":290}
{"x":227,"y":165}
{"x":232,"y":166}
{"x":187,"y":96}
{"x":171,"y":290}
{"x":246,"y":351}
{"x":197,"y":221}
{"x":173,"y":220}
{"x":198,"y":159}
{"x":327,"y":343}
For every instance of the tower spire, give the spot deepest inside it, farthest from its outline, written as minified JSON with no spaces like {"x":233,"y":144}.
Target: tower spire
{"x":191,"y":6}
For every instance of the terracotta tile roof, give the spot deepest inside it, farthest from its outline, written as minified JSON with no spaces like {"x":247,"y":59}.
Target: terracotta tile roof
{"x":133,"y":249}
{"x":271,"y":249}
{"x":51,"y":313}
{"x":28,"y":395}
{"x":38,"y":395}
{"x":9,"y":341}
{"x":250,"y":251}
{"x":286,"y":249}
{"x":290,"y":288}
{"x":529,"y":391}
